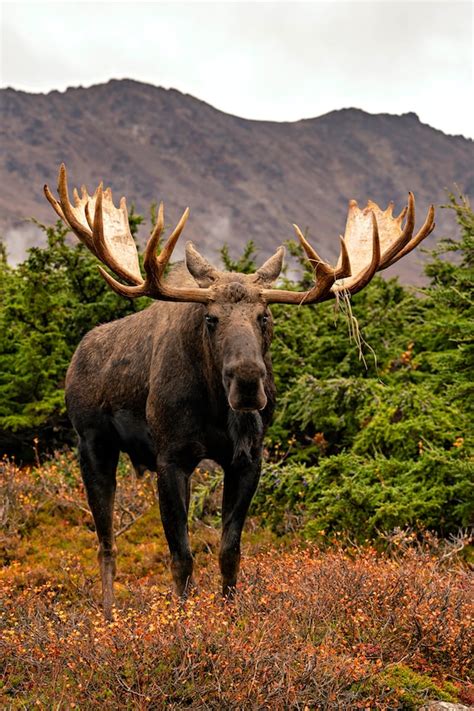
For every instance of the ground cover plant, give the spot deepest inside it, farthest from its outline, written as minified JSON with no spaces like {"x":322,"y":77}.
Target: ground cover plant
{"x":334,"y":626}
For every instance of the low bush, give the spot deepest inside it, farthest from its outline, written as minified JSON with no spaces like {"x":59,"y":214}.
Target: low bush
{"x":329,"y":626}
{"x":365,"y":497}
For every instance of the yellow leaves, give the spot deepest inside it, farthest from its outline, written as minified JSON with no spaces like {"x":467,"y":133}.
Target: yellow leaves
{"x":407,"y":355}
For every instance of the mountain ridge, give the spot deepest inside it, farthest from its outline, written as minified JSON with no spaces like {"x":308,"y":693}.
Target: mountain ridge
{"x":128,"y":80}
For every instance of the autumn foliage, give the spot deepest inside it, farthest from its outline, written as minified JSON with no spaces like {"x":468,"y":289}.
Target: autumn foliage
{"x":329,"y":627}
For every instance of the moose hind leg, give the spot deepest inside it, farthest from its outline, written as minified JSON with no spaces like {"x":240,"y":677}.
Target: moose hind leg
{"x":98,"y":459}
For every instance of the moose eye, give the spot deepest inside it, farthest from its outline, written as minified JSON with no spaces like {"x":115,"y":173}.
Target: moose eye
{"x":211,"y":321}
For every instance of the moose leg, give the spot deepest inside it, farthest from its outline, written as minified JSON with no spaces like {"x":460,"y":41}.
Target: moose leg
{"x":240,"y":484}
{"x":98,"y":461}
{"x":173,"y":494}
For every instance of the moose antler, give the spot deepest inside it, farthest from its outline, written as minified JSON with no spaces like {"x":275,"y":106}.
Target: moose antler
{"x":373,"y":240}
{"x":105,"y":230}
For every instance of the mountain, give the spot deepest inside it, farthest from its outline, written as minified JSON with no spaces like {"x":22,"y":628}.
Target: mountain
{"x":242,"y":179}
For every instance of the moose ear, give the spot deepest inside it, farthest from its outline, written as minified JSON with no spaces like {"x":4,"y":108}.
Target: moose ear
{"x":270,"y":271}
{"x":203,"y":272}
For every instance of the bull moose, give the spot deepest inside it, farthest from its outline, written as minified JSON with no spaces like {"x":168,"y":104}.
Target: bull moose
{"x":190,"y":377}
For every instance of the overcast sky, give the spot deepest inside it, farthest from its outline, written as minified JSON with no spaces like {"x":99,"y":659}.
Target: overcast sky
{"x":278,"y":61}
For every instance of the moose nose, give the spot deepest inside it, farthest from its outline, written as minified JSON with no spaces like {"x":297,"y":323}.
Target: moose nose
{"x":245,"y":372}
{"x":244,"y":385}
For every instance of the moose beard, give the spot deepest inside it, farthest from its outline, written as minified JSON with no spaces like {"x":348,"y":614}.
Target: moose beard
{"x":245,"y":430}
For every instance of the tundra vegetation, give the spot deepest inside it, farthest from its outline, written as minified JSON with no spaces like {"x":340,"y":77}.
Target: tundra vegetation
{"x":356,"y":591}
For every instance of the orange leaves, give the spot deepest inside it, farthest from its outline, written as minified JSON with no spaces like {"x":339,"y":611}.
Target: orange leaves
{"x":306,"y":627}
{"x":407,"y":355}
{"x":320,"y":441}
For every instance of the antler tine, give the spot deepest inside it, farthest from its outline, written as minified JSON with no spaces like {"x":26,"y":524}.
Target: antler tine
{"x":64,"y":209}
{"x":425,"y":230}
{"x":90,"y":218}
{"x":402,"y":213}
{"x":131,"y":292}
{"x":150,"y":259}
{"x":155,"y":265}
{"x":324,"y":273}
{"x":345,"y":269}
{"x":405,"y":236}
{"x":80,"y":229}
{"x":53,"y":202}
{"x":313,"y":257}
{"x":361,"y":280}
{"x":169,"y":246}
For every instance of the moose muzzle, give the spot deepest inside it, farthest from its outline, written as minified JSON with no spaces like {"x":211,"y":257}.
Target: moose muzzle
{"x":243,"y":383}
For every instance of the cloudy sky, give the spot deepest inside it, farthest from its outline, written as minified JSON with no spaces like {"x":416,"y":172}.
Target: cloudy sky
{"x":261,"y":60}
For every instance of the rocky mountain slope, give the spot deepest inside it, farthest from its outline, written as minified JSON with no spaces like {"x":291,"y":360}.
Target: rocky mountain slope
{"x":242,"y":179}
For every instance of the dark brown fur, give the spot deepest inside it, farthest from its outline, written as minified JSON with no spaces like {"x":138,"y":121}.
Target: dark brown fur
{"x":158,"y":385}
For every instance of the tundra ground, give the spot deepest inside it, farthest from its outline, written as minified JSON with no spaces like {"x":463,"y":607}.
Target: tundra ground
{"x":327,"y":626}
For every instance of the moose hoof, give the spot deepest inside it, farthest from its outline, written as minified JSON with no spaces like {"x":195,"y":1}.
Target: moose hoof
{"x":229,"y":590}
{"x":108,"y":613}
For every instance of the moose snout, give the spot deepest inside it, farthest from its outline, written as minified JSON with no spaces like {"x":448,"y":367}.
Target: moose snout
{"x":244,"y":386}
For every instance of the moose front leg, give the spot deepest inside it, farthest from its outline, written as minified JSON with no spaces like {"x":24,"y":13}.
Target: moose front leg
{"x":240,"y":485}
{"x":173,"y":494}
